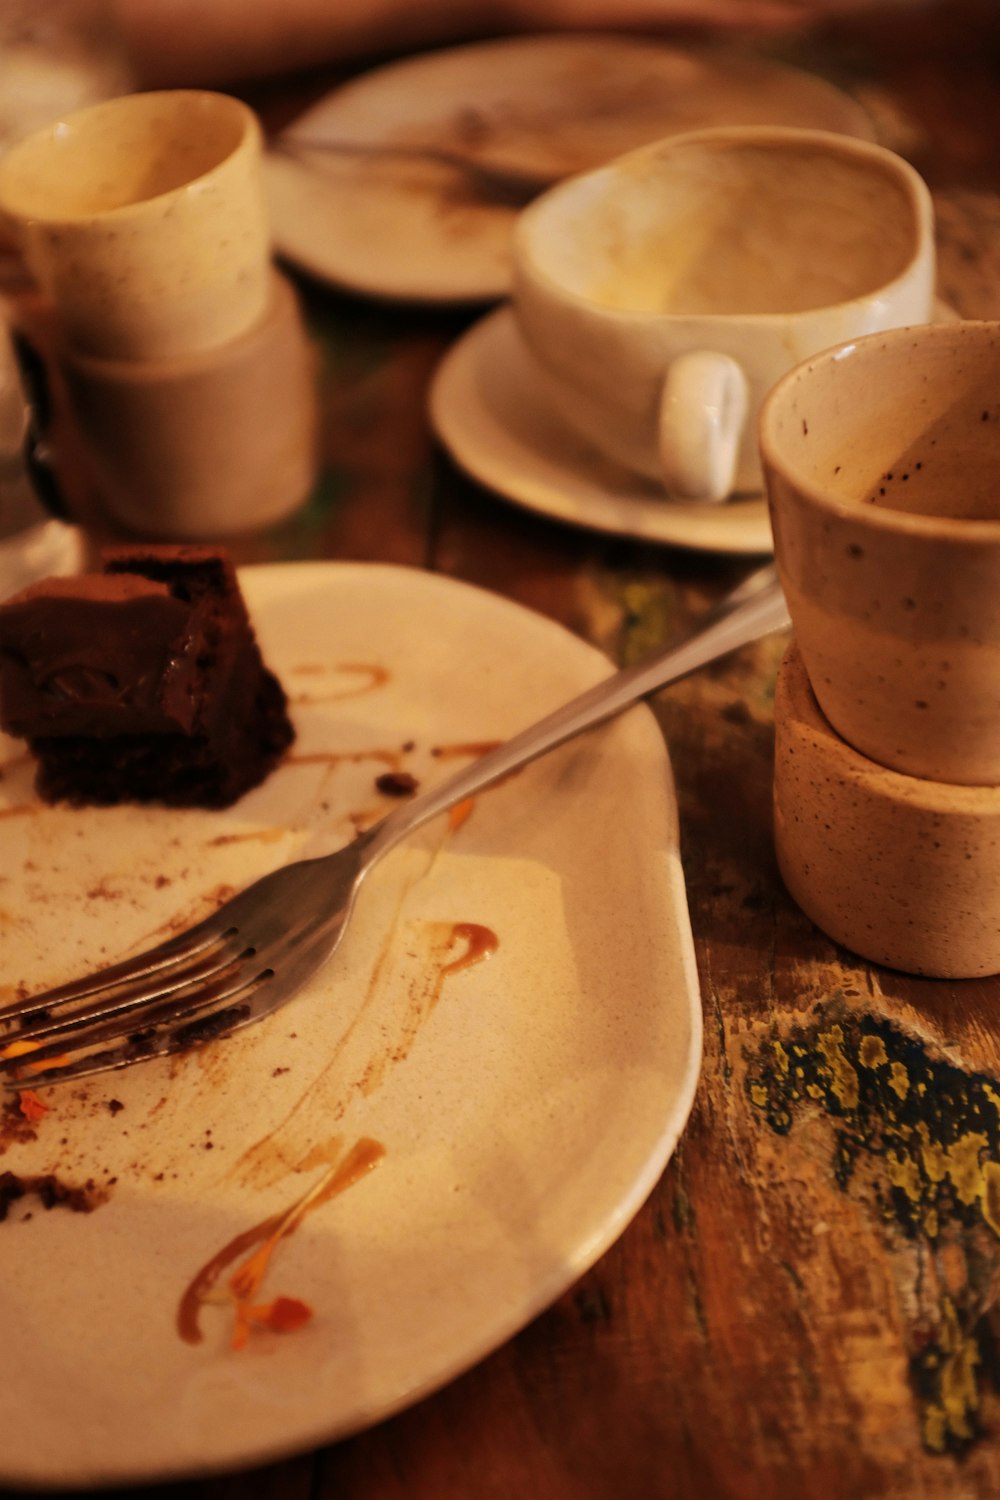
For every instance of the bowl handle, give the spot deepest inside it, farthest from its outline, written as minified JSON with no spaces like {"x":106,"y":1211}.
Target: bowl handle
{"x":703,"y":409}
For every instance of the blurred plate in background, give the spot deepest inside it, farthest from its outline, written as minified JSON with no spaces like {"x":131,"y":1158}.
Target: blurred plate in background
{"x":417,"y":230}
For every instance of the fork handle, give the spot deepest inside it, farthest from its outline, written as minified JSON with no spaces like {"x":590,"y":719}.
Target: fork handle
{"x":755,"y":609}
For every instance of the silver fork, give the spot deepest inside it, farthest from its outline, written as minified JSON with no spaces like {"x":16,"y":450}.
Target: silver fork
{"x":252,"y":954}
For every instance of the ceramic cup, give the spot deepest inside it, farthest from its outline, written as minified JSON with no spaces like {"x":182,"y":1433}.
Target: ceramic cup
{"x":143,"y":220}
{"x":664,"y":294}
{"x":217,"y":443}
{"x":882,"y":459}
{"x":901,"y":870}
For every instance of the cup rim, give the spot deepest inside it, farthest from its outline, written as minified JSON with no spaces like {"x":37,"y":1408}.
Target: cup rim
{"x":251,"y":136}
{"x":946,"y":529}
{"x":526,"y":266}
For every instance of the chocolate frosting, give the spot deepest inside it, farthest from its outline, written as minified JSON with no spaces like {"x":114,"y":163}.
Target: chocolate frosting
{"x":142,"y":683}
{"x":101,"y":655}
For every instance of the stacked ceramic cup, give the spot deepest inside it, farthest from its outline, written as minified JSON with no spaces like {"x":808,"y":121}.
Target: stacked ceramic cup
{"x":143,"y":221}
{"x":882,"y":460}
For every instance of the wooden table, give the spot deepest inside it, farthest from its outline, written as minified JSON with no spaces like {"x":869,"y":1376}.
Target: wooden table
{"x":806,"y":1305}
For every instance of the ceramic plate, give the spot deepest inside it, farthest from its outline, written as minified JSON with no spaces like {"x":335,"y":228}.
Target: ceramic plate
{"x":451,"y":1122}
{"x":489,"y":410}
{"x":552,"y":105}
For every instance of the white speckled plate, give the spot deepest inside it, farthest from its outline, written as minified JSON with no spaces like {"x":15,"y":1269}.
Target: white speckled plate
{"x":552,"y":104}
{"x":489,"y":409}
{"x":517,"y":1104}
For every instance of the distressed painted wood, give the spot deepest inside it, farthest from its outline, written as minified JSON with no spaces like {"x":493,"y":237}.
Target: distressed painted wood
{"x":807,"y":1306}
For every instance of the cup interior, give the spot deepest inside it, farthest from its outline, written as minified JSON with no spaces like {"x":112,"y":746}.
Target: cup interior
{"x":730,"y":223}
{"x":121,"y":153}
{"x":904,"y":422}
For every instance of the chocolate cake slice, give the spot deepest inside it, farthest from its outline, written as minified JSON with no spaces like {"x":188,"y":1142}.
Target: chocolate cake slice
{"x":141,"y":683}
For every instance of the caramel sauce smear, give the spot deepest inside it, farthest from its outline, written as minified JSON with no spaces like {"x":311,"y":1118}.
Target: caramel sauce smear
{"x":241,"y":1291}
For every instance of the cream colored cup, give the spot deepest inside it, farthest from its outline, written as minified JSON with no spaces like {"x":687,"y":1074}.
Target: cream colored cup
{"x":882,"y":460}
{"x":664,"y":294}
{"x":143,"y":220}
{"x":903,"y":871}
{"x":220,"y":442}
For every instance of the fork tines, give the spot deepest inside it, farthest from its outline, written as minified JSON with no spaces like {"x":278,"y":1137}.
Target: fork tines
{"x":185,"y":993}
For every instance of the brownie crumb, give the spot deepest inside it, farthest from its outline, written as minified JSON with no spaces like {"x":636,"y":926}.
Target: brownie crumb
{"x":396,"y":783}
{"x":50,"y":1191}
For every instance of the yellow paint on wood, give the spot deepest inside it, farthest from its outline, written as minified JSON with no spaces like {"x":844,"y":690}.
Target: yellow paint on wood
{"x":871,"y":1052}
{"x":899,"y":1080}
{"x":844,"y":1081}
{"x":990,"y":1205}
{"x":964,"y":1167}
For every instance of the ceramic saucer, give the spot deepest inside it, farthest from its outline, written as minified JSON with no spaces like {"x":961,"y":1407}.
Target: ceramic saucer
{"x":415,"y":230}
{"x":489,"y":411}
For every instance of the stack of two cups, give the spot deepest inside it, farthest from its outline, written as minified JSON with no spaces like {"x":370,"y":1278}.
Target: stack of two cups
{"x":143,"y":221}
{"x":882,"y":460}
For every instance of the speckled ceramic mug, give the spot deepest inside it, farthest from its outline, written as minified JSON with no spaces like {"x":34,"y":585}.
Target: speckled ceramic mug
{"x":664,"y":294}
{"x":882,"y":461}
{"x":143,"y":220}
{"x":901,"y":870}
{"x":214,"y":444}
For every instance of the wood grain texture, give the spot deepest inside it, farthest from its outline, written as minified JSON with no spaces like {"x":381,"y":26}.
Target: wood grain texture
{"x":806,"y":1307}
